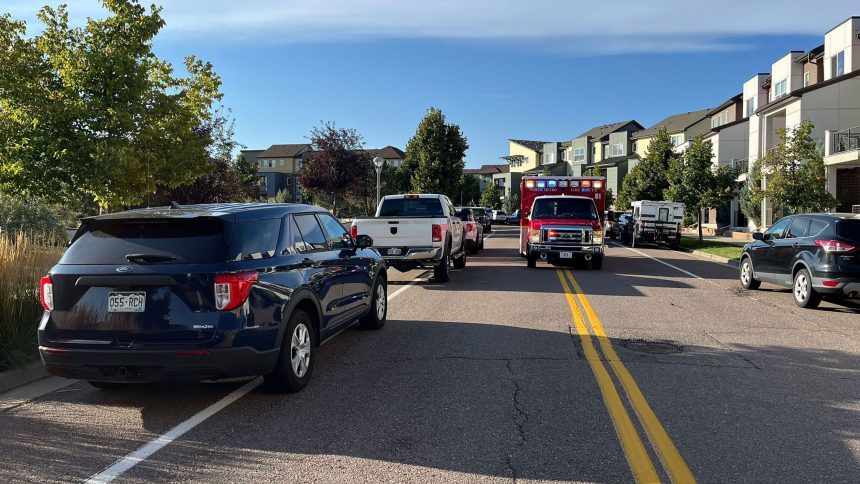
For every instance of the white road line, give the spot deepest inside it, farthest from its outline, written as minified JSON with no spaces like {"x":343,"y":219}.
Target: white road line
{"x":696,"y":276}
{"x":398,"y":292}
{"x":141,"y":454}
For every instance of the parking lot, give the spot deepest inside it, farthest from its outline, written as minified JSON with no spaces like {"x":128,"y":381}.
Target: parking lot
{"x":659,"y":366}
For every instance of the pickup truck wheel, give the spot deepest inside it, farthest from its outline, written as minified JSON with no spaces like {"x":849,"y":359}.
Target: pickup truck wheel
{"x":296,"y":360}
{"x":597,"y":263}
{"x":460,"y":262}
{"x":481,"y":243}
{"x":375,"y":318}
{"x":440,"y":272}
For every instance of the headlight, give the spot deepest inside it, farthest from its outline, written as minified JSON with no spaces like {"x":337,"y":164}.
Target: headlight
{"x":535,"y":236}
{"x":597,"y":236}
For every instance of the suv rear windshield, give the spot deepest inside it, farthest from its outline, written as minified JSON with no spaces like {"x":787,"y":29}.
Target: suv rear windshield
{"x":573,"y":208}
{"x":411,"y":207}
{"x":850,"y":229}
{"x":197,"y":240}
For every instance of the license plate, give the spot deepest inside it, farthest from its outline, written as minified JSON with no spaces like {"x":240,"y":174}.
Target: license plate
{"x":127,"y":302}
{"x":394,"y":251}
{"x":566,"y":255}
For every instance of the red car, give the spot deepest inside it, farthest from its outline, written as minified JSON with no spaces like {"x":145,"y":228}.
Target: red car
{"x":473,"y":229}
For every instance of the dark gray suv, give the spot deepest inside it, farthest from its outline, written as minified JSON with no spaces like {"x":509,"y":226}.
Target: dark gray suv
{"x":813,"y":254}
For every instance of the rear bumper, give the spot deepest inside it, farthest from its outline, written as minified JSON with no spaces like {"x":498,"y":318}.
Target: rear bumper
{"x":433,"y":254}
{"x":133,"y":365}
{"x":845,"y":286}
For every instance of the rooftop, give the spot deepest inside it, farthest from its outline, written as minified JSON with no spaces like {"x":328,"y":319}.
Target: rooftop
{"x":601,"y":131}
{"x":675,"y":123}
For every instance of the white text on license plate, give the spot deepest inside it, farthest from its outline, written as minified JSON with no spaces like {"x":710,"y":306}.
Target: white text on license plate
{"x":127,"y":302}
{"x":566,"y":255}
{"x":394,"y":251}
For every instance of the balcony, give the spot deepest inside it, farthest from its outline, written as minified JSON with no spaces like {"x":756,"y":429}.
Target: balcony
{"x":845,"y":140}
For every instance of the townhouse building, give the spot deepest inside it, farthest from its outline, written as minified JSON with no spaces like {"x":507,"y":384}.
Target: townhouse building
{"x":729,"y":137}
{"x":609,"y":146}
{"x":485,"y":174}
{"x":524,"y":155}
{"x":821,"y":86}
{"x":682,"y":128}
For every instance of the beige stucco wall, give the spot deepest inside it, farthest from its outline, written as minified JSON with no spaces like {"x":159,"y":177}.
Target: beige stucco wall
{"x":843,"y":37}
{"x":289,"y":165}
{"x":642,"y":146}
{"x":787,"y":68}
{"x":532,"y":158}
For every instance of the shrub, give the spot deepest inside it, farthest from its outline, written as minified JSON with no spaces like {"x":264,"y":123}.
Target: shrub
{"x":23,"y":261}
{"x":32,"y":216}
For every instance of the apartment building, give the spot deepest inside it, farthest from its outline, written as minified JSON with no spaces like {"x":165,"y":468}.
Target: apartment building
{"x":524,"y":155}
{"x":821,"y":86}
{"x":485,"y":173}
{"x":610,"y":146}
{"x":729,"y":137}
{"x":682,"y":128}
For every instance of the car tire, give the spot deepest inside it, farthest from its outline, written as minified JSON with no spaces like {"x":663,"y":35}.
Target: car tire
{"x":803,"y":292}
{"x":440,"y":272}
{"x":375,"y":318}
{"x":747,"y":275}
{"x":460,"y":262}
{"x":474,"y":249}
{"x":633,"y":237}
{"x":296,"y":359}
{"x":481,"y":243}
{"x":596,"y":263}
{"x":531,"y":261}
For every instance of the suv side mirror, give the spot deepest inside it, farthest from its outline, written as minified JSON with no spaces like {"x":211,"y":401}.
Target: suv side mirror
{"x":363,"y":241}
{"x":758,"y":236}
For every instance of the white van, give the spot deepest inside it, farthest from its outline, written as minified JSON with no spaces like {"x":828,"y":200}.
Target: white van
{"x":654,"y":222}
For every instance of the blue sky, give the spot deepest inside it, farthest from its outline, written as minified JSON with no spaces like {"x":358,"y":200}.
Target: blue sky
{"x":545,"y":69}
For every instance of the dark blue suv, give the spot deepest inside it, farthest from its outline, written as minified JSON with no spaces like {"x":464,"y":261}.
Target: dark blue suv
{"x":204,"y":292}
{"x":814,"y":254}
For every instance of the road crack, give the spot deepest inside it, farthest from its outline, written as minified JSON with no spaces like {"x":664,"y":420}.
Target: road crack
{"x":520,"y":420}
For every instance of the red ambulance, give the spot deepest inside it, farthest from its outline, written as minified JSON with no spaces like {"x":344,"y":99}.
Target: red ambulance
{"x":561,"y":219}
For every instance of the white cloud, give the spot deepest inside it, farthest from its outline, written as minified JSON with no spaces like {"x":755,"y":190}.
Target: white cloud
{"x":591,"y":27}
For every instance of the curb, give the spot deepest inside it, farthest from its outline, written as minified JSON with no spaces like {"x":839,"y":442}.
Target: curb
{"x":17,"y":377}
{"x":715,"y":258}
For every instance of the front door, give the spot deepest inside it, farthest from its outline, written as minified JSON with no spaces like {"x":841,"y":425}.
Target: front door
{"x":763,"y":252}
{"x":356,"y":277}
{"x":321,"y":268}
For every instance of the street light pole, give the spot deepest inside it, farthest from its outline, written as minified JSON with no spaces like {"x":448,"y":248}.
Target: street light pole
{"x":378,"y":162}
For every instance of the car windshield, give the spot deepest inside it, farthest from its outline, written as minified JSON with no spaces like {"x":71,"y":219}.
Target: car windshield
{"x":411,"y":207}
{"x":479,"y":212}
{"x":573,"y":208}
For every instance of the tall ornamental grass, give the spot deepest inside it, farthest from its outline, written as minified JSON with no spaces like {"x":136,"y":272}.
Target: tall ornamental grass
{"x":24,"y":259}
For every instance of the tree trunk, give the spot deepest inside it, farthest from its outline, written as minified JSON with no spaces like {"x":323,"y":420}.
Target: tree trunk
{"x":700,"y":223}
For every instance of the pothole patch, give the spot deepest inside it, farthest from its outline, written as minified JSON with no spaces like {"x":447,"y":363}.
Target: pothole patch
{"x":657,"y":347}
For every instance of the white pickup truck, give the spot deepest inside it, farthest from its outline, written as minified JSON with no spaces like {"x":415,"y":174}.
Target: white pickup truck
{"x":412,"y":231}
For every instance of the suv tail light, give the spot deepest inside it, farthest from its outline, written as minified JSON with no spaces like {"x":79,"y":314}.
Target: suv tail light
{"x":46,"y":293}
{"x":834,"y":246}
{"x":437,"y":232}
{"x":353,"y":231}
{"x":232,"y":290}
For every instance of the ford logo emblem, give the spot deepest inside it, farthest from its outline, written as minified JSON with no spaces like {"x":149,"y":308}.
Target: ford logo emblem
{"x":124,"y":269}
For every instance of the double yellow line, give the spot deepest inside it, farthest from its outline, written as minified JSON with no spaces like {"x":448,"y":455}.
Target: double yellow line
{"x":634,"y":449}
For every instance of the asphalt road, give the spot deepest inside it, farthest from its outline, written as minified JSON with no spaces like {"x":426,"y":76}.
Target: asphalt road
{"x":658,"y":367}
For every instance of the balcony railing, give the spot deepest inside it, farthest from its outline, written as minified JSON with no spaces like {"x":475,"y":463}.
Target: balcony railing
{"x":845,"y":140}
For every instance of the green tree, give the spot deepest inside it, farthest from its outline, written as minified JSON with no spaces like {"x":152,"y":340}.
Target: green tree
{"x":594,"y":170}
{"x":750,"y":195}
{"x":434,"y":155}
{"x":512,"y":203}
{"x":610,"y":198}
{"x":491,"y":197}
{"x":648,"y":179}
{"x":470,"y":190}
{"x":93,"y":111}
{"x":795,"y":180}
{"x":694,"y":182}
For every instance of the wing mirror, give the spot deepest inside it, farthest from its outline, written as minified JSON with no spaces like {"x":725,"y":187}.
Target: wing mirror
{"x":363,"y":241}
{"x":758,"y":236}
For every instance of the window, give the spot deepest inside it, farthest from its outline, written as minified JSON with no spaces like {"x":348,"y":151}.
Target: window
{"x":338,"y":237}
{"x":579,"y":154}
{"x":677,"y":139}
{"x":816,"y":227}
{"x":837,"y":64}
{"x":255,"y":239}
{"x":283,"y":163}
{"x":547,"y":158}
{"x":777,"y":230}
{"x":411,"y":207}
{"x":563,"y":155}
{"x":289,"y":181}
{"x":780,"y":89}
{"x":617,"y":149}
{"x":263,"y":184}
{"x":593,"y":151}
{"x":572,"y":208}
{"x":719,"y":119}
{"x":750,"y":106}
{"x":807,"y":78}
{"x":298,"y":243}
{"x":663,"y":214}
{"x":799,"y":227}
{"x":311,"y":232}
